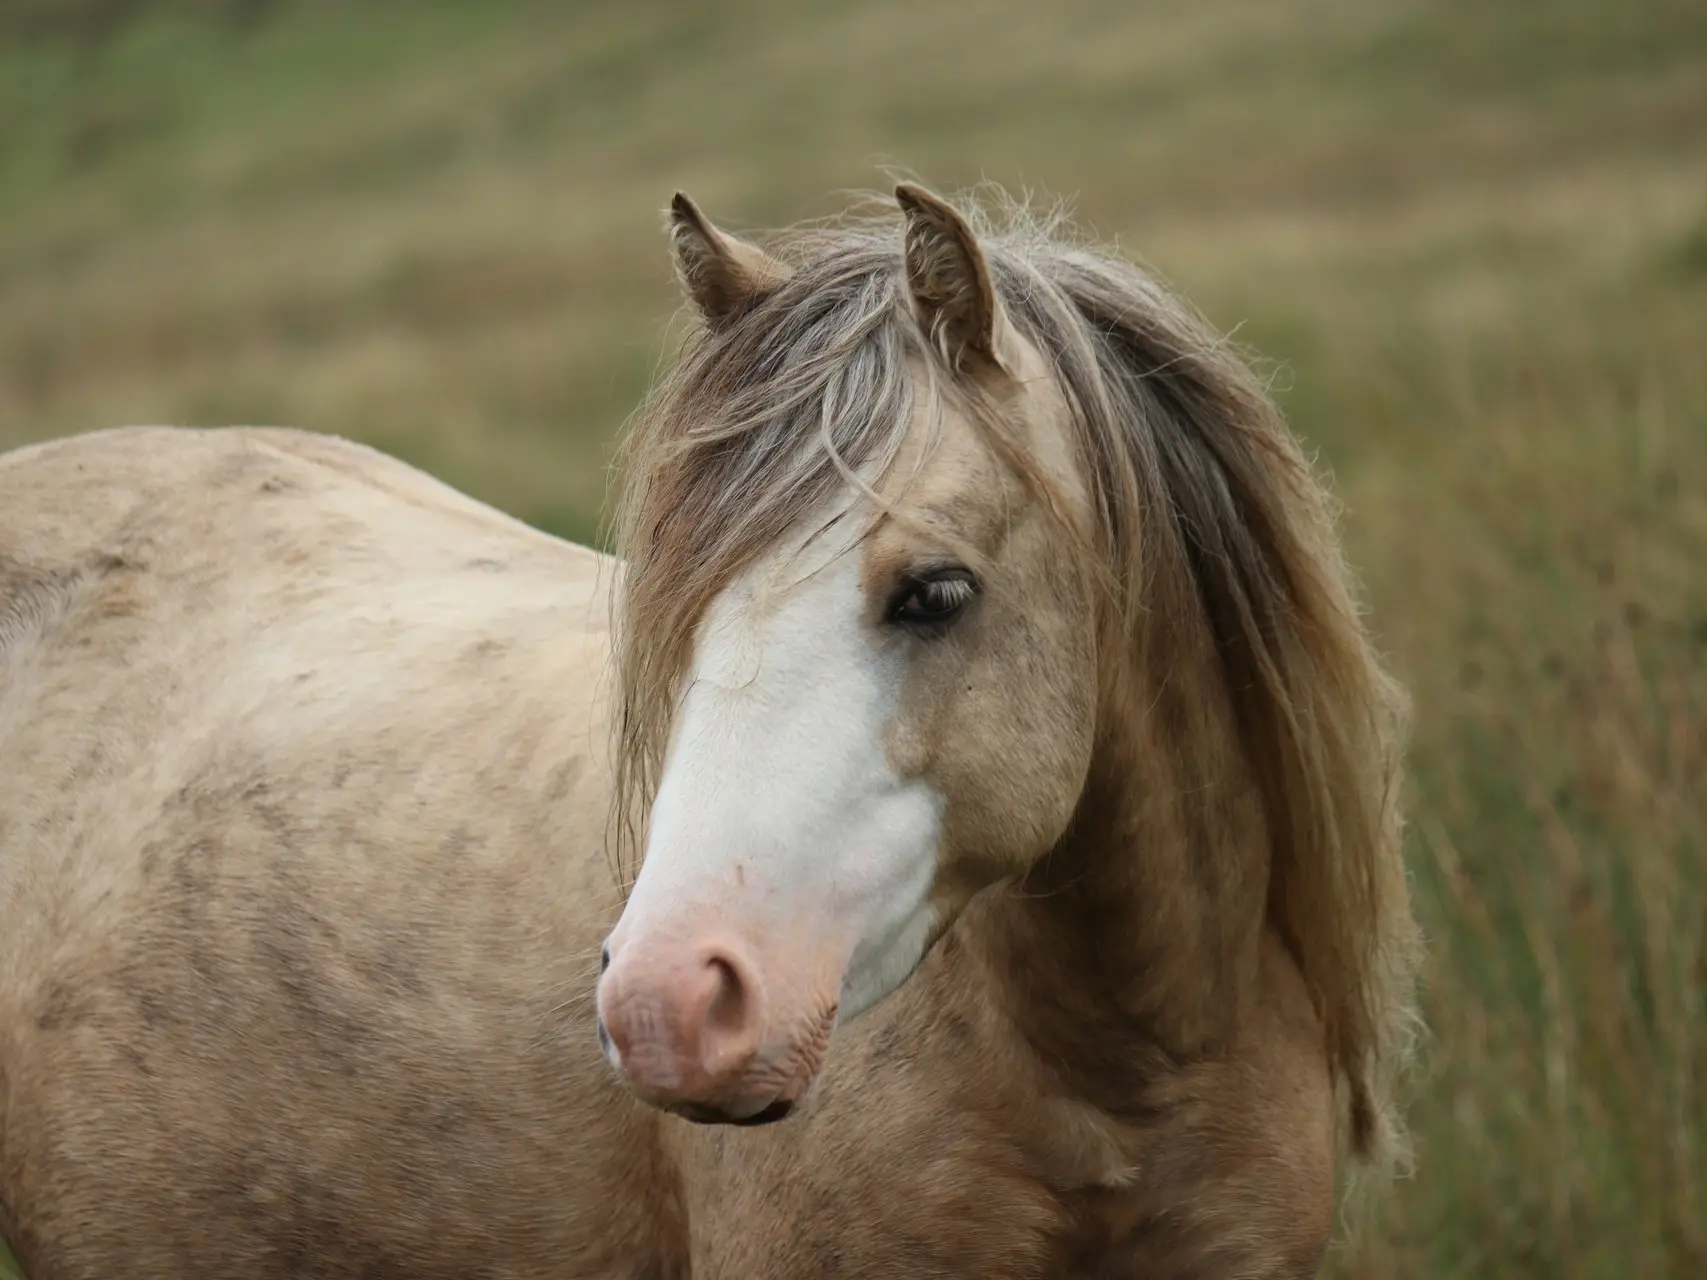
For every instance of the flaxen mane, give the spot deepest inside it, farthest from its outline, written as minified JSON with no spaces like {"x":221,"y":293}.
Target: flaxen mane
{"x":1211,"y":524}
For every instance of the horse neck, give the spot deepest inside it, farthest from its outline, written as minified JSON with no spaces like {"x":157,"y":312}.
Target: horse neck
{"x":1142,"y":930}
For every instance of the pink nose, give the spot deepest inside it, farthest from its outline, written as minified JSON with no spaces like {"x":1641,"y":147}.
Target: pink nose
{"x":687,"y":1030}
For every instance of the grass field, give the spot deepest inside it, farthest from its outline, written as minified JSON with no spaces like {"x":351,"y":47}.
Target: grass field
{"x":1470,"y":236}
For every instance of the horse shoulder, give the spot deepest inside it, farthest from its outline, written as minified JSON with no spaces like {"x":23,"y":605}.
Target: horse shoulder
{"x":1231,"y":1157}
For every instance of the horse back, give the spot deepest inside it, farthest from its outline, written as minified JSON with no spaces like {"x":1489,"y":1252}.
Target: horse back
{"x":163,"y":592}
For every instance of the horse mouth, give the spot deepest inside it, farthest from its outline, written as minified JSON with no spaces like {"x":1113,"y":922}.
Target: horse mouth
{"x":699,"y":1113}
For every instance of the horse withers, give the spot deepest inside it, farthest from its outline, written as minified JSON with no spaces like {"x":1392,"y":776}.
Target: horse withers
{"x":957,"y":837}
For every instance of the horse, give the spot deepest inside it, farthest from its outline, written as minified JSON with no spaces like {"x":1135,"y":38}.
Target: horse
{"x":956,"y":834}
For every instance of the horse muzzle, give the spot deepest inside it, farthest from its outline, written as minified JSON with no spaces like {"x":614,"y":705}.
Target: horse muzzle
{"x":702,"y":1031}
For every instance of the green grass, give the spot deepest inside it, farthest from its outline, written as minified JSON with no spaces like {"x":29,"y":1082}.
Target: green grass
{"x":1472,"y":236}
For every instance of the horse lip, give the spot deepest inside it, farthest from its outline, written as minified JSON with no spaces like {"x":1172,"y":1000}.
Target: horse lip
{"x":781,"y":1109}
{"x":699,"y":1113}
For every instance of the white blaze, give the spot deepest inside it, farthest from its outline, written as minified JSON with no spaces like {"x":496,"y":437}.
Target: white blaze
{"x":778,"y":814}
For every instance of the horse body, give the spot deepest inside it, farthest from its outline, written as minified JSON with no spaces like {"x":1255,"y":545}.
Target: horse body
{"x":306,"y":784}
{"x":302,"y":873}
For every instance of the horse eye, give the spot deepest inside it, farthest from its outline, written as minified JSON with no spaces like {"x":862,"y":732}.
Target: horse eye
{"x":933,"y":599}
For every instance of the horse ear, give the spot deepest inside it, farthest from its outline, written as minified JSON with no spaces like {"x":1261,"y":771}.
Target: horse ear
{"x":948,"y":278}
{"x":720,"y":274}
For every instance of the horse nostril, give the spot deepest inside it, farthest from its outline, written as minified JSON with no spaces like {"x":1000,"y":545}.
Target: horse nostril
{"x":604,"y":957}
{"x":604,"y":1038}
{"x":731,"y":1010}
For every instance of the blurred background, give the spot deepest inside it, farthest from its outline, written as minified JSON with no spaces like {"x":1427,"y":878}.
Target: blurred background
{"x":1468,"y":238}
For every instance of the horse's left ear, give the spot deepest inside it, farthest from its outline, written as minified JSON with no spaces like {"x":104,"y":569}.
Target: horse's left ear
{"x":953,"y":295}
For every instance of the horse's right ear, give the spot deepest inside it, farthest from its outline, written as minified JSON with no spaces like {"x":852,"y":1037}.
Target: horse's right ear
{"x":720,"y":274}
